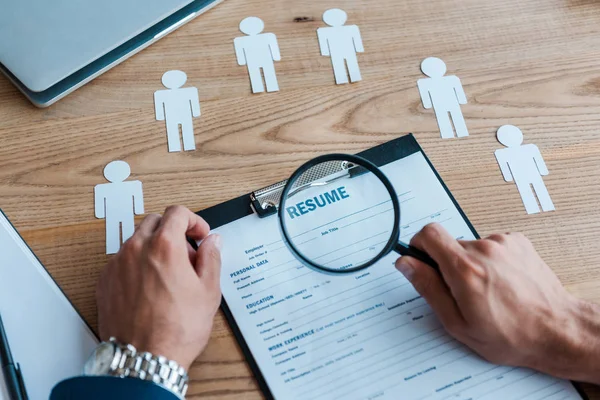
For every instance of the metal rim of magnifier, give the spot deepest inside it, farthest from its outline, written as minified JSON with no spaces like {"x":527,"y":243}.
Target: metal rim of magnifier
{"x":371,"y":168}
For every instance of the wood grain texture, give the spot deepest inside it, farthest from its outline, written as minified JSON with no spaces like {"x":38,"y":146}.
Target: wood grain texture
{"x":524,"y":62}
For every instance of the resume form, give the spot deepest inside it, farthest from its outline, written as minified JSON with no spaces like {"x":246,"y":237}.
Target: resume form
{"x":367,"y":335}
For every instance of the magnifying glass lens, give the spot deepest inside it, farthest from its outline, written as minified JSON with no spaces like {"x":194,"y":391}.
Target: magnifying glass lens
{"x":338,"y":216}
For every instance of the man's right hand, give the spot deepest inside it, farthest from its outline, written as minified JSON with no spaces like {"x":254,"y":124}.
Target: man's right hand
{"x":158,"y":293}
{"x":498,"y":297}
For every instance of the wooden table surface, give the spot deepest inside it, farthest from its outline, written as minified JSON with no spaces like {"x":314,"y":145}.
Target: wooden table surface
{"x":534,"y":64}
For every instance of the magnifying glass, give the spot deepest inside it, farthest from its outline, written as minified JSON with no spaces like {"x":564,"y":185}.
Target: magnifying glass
{"x":340,"y":214}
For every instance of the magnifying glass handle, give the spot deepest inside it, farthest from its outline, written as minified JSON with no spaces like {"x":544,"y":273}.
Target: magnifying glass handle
{"x":405,"y":250}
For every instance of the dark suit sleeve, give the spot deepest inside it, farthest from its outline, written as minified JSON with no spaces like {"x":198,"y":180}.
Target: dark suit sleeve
{"x":108,"y":387}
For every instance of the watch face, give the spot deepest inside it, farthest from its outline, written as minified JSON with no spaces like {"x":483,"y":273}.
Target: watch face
{"x":100,"y":360}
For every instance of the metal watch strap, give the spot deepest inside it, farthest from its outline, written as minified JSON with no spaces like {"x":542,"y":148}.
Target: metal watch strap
{"x":128,"y":363}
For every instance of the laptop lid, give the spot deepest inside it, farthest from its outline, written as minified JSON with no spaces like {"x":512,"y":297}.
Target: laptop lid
{"x":42,"y":42}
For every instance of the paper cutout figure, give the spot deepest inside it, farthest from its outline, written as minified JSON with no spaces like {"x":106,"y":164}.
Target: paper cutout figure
{"x":258,"y":51}
{"x":176,"y":106}
{"x":445,"y":94}
{"x":116,"y":202}
{"x":524,"y":165}
{"x":341,"y":43}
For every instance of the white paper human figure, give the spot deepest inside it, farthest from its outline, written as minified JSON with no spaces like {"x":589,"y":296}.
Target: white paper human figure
{"x":524,"y":165}
{"x":176,"y":106}
{"x":258,"y":51}
{"x":117,"y":202}
{"x":341,"y":43}
{"x":445,"y":94}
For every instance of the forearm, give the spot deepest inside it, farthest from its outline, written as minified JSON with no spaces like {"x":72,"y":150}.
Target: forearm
{"x":575,"y":351}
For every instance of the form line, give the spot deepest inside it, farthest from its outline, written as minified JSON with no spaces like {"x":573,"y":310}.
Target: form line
{"x":371,"y":338}
{"x":287,"y":280}
{"x":347,"y":290}
{"x":449,"y":339}
{"x":383,"y":320}
{"x":345,"y":307}
{"x":425,"y":217}
{"x":395,"y":363}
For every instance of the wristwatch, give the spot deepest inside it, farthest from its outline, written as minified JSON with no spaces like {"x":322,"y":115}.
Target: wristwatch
{"x":123,"y":360}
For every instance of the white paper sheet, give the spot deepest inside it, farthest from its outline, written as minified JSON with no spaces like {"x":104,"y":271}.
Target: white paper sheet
{"x":258,"y":51}
{"x":444,"y":94}
{"x":363,"y":336}
{"x":47,"y":337}
{"x":341,"y":43}
{"x":524,"y":164}
{"x":177,"y":106}
{"x":117,"y":202}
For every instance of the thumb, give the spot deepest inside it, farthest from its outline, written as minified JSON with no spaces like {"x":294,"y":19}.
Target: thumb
{"x":430,"y":285}
{"x":208,"y":261}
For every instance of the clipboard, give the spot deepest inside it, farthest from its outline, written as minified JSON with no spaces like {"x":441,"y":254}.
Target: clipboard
{"x":263,"y":202}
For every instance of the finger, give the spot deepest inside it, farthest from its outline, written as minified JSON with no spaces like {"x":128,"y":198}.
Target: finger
{"x":434,"y":240}
{"x":432,"y":288}
{"x":498,"y":238}
{"x":208,"y":261}
{"x":149,"y":224}
{"x":180,"y":221}
{"x":191,"y":253}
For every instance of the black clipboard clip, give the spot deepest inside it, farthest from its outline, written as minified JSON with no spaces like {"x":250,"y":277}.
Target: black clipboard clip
{"x":266,"y":200}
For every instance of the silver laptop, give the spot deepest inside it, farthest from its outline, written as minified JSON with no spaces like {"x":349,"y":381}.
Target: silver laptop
{"x":50,"y":48}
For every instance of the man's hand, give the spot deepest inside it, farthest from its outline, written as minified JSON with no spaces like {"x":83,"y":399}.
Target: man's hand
{"x":498,"y":297}
{"x":159,"y":294}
